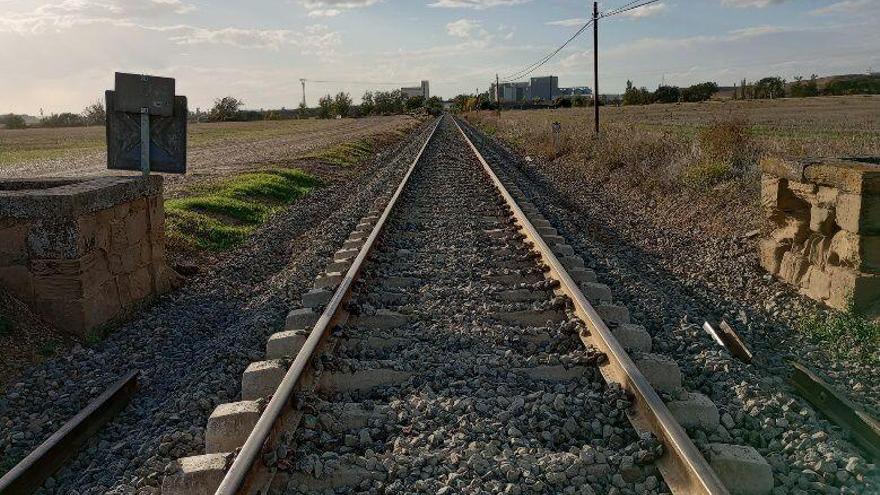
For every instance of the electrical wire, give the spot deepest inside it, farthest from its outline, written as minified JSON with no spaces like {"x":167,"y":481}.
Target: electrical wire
{"x":535,"y":66}
{"x":625,"y":8}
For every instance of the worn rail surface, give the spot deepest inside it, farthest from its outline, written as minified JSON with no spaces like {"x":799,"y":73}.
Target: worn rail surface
{"x":542,"y":296}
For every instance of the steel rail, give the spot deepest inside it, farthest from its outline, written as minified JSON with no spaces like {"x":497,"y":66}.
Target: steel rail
{"x":683,"y":467}
{"x":241,"y":474}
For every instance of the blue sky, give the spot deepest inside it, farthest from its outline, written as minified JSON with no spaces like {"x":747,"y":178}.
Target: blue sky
{"x":61,"y":55}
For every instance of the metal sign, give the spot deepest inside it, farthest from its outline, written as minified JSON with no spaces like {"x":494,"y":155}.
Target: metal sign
{"x":146,"y":125}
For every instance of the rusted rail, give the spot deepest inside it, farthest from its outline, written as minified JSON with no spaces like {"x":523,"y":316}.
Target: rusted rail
{"x":29,"y":474}
{"x":683,"y":467}
{"x":243,"y":475}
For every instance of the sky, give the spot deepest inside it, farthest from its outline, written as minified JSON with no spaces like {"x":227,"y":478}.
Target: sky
{"x":60,"y":56}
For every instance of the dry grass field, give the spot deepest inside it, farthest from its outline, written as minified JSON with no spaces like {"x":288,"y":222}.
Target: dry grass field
{"x":691,"y":148}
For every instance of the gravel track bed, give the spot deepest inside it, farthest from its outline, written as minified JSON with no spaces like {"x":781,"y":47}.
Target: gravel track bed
{"x":192,"y":345}
{"x":661,"y":277}
{"x":472,"y":414}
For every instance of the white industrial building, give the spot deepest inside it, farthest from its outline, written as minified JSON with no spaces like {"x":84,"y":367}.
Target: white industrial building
{"x":424,"y":91}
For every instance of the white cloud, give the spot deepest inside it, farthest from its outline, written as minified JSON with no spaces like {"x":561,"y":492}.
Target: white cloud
{"x":847,"y":7}
{"x":475,"y":4}
{"x":466,"y":28}
{"x":752,"y":3}
{"x":576,"y":21}
{"x":69,"y":13}
{"x":331,"y":8}
{"x":317,"y":38}
{"x":646,"y":11}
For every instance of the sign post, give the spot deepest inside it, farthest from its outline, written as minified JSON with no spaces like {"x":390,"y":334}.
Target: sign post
{"x":146,"y":125}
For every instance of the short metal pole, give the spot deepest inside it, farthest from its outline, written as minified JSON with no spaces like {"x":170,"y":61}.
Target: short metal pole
{"x":596,"y":64}
{"x":145,"y":141}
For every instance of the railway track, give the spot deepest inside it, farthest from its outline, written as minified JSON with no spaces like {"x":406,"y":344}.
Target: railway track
{"x":456,"y":344}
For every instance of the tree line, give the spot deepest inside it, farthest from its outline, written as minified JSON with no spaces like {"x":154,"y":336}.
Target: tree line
{"x":93,"y":114}
{"x":668,"y":94}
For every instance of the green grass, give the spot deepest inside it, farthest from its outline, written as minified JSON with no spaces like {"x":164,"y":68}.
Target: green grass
{"x":47,"y":349}
{"x":345,"y":154}
{"x":221,"y":216}
{"x":846,"y":332}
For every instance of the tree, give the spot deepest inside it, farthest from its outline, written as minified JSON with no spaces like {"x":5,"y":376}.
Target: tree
{"x":801,"y":89}
{"x":770,"y":87}
{"x":667,"y":94}
{"x":342,"y":104}
{"x":65,"y":119}
{"x":225,"y":109}
{"x":13,"y":121}
{"x":637,"y":96}
{"x":434,"y":104}
{"x":94,"y":114}
{"x":414,"y":103}
{"x":563,"y":102}
{"x":325,"y":107}
{"x":580,"y":101}
{"x":699,"y":92}
{"x":367,"y":104}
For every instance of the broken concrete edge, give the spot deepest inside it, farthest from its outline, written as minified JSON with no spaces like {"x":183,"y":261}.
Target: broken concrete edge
{"x":60,"y":198}
{"x":741,"y":468}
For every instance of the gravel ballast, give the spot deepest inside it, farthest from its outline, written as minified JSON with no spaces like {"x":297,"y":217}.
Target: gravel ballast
{"x":673,"y":277}
{"x":191,"y":345}
{"x":471,"y":412}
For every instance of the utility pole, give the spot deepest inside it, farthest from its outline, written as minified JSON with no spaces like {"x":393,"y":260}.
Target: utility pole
{"x":596,"y":63}
{"x":303,"y":81}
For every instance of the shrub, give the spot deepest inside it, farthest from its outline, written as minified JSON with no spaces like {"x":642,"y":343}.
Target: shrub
{"x":94,"y":114}
{"x":325,"y":107}
{"x":225,"y":109}
{"x":342,"y":104}
{"x":13,"y":121}
{"x":723,"y":150}
{"x":63,"y":120}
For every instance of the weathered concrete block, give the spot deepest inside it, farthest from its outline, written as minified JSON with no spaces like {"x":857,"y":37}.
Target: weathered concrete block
{"x":662,"y":373}
{"x":570,"y":262}
{"x":262,"y":378}
{"x":562,"y":250}
{"x":859,"y":252}
{"x":344,"y":254}
{"x":230,"y":424}
{"x":303,"y":318}
{"x":547,"y":231}
{"x":363,"y":380}
{"x":197,"y":475}
{"x":859,"y":214}
{"x":285,"y":345}
{"x":864,"y":289}
{"x":695,"y":410}
{"x":770,"y":254}
{"x":340,"y":266}
{"x":531,"y":318}
{"x":582,"y":275}
{"x":316,"y":298}
{"x":793,"y":268}
{"x":354,"y":244}
{"x":612,"y":314}
{"x":595,"y":292}
{"x":383,"y":319}
{"x":793,"y":231}
{"x":633,"y":338}
{"x":742,"y":469}
{"x":354,"y":416}
{"x":822,"y":219}
{"x":329,"y":281}
{"x":552,"y":240}
{"x":558,"y":373}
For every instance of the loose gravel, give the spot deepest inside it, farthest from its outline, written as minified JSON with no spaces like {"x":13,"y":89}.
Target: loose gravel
{"x":473,"y":416}
{"x":191,"y":346}
{"x":673,"y":279}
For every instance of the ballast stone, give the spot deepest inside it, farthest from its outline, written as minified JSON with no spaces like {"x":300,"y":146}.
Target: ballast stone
{"x":522,"y":295}
{"x":531,"y":318}
{"x":230,"y":424}
{"x":695,"y":410}
{"x":197,"y":475}
{"x":633,"y":338}
{"x":383,"y":319}
{"x":261,"y":379}
{"x":557,"y":373}
{"x":741,"y":468}
{"x":662,"y":373}
{"x":287,"y":344}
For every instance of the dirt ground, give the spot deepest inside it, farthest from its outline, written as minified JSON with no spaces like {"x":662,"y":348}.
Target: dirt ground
{"x":215,"y":149}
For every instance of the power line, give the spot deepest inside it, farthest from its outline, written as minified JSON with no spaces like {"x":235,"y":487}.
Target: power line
{"x":540,"y":63}
{"x":628,"y":7}
{"x":610,"y":12}
{"x":375,"y":83}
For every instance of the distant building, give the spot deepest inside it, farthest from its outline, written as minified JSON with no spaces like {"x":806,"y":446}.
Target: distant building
{"x":424,"y":91}
{"x":544,"y":88}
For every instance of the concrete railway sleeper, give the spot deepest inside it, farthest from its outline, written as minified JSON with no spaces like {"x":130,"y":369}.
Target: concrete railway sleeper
{"x":456,"y":344}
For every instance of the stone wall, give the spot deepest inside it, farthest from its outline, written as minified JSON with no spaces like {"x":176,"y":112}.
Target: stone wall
{"x":83,"y":252}
{"x":824,"y":236}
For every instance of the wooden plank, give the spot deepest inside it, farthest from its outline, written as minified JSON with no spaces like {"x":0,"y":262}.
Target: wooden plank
{"x":838,"y":408}
{"x":29,"y":474}
{"x":727,"y":337}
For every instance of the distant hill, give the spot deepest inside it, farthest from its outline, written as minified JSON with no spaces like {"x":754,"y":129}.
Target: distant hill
{"x":846,"y":83}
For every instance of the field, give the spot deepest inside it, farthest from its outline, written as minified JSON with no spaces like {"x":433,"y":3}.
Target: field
{"x":692,"y":148}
